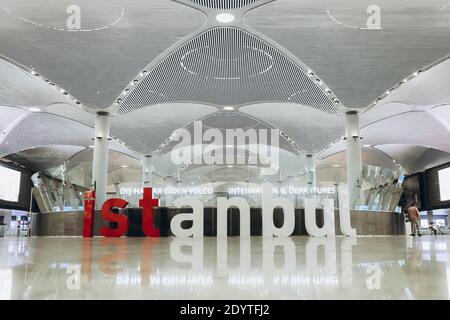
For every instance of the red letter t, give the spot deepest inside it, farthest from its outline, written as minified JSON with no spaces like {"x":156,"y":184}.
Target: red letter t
{"x":147,"y":204}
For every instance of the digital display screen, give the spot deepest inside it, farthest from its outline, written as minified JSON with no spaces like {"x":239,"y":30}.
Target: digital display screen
{"x":9,"y":184}
{"x":444,"y":184}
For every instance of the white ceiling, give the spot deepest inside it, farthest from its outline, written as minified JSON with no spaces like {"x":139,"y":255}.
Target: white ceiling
{"x":240,"y":69}
{"x":94,"y":66}
{"x":358,"y":64}
{"x":41,"y":158}
{"x":311,"y":129}
{"x":146,"y":129}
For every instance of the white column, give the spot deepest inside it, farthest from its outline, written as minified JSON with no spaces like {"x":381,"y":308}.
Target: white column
{"x":147,"y":171}
{"x":354,"y":163}
{"x":311,"y":170}
{"x":100,"y":163}
{"x":169,"y":197}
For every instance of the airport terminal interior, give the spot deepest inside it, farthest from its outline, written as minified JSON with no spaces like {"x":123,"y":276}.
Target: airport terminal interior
{"x":333,"y":117}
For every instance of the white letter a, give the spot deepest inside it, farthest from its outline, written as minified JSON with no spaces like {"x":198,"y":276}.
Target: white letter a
{"x":73,"y":22}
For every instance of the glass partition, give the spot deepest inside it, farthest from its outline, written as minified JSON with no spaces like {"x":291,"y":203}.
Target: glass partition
{"x":379,"y":189}
{"x":62,"y":189}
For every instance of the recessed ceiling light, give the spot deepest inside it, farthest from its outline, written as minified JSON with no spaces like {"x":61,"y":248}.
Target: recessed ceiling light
{"x":34,"y":109}
{"x":124,"y":166}
{"x":92,"y":147}
{"x":228,"y":108}
{"x":225,"y":17}
{"x":367,"y":146}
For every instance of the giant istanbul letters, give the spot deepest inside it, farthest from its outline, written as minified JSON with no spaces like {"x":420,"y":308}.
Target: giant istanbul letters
{"x":269,"y":203}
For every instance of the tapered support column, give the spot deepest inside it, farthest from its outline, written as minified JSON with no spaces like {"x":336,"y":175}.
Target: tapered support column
{"x":311,"y":170}
{"x":147,"y":174}
{"x":354,"y":163}
{"x":100,"y":163}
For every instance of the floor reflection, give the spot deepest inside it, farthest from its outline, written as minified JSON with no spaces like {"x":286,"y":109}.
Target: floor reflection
{"x":233,"y":268}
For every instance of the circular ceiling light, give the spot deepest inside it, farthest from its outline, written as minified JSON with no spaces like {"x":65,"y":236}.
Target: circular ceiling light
{"x":34,"y":109}
{"x":225,"y":17}
{"x":228,"y":108}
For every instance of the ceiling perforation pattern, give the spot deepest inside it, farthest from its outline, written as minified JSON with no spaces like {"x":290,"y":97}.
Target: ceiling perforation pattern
{"x":223,"y":4}
{"x":238,"y":67}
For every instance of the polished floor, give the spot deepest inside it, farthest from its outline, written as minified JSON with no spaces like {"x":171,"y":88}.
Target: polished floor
{"x":167,"y":268}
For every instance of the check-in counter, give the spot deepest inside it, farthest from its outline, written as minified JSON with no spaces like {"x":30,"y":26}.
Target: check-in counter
{"x":71,"y":223}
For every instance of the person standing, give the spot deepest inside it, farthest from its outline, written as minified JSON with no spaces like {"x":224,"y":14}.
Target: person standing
{"x":414,"y":217}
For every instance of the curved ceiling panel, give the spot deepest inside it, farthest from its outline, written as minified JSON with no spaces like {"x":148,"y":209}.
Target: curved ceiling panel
{"x":443,"y":112}
{"x":121,"y":168}
{"x":231,"y":120}
{"x":223,"y":4}
{"x":224,"y":121}
{"x":289,"y":165}
{"x":431,"y":158}
{"x":146,"y":129}
{"x":42,"y":129}
{"x":310,"y":128}
{"x":225,"y":66}
{"x":370,"y":156}
{"x":384,"y":111}
{"x":9,"y":115}
{"x":414,"y":128}
{"x":357,"y":58}
{"x":116,"y":159}
{"x":415,"y":158}
{"x":71,"y":112}
{"x":124,"y":175}
{"x":21,"y":88}
{"x":427,"y":88}
{"x":116,"y":39}
{"x":406,"y":155}
{"x":41,"y":158}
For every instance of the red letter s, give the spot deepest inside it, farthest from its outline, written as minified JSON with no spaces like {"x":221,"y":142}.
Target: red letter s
{"x":121,"y":220}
